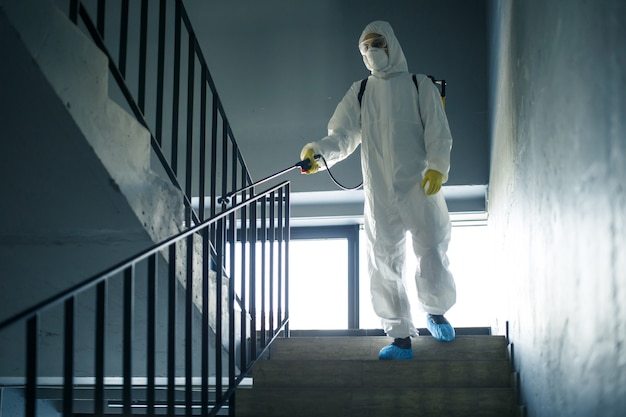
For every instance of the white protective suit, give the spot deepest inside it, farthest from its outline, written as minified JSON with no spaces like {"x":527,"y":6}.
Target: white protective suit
{"x":402,"y":134}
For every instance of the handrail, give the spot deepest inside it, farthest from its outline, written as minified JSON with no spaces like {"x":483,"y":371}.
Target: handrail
{"x":261,"y":276}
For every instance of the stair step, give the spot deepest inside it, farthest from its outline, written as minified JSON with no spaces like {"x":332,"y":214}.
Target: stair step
{"x":387,"y":374}
{"x":425,"y":348}
{"x":375,"y":402}
{"x":342,"y":376}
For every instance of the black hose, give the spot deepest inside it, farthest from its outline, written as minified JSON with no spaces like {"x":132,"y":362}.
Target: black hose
{"x":337,"y":183}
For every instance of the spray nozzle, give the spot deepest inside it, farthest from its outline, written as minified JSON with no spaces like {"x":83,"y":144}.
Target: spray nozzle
{"x":305,"y":164}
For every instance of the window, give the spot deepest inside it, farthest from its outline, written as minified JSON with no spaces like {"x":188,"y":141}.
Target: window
{"x":329,"y":285}
{"x":323,"y":297}
{"x":323,"y":278}
{"x":318,"y":284}
{"x":467,"y":254}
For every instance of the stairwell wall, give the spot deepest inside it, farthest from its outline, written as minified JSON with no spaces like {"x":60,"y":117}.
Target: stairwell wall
{"x":63,"y":217}
{"x":557,"y":199}
{"x":87,"y":158}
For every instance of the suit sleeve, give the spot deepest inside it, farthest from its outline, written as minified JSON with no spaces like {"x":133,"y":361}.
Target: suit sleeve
{"x":344,"y":129}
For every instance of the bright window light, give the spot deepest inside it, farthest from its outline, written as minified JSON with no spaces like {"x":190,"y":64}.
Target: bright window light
{"x":318,"y":286}
{"x":468,"y":255}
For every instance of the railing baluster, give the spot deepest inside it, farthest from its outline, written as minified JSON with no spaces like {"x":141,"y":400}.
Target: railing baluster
{"x":279,"y":313}
{"x":160,"y":73}
{"x":231,"y":298}
{"x":123,"y":46}
{"x":100,"y":326}
{"x":244,"y":177}
{"x":171,"y":331}
{"x":202,"y":154}
{"x":151,"y":333}
{"x":74,"y":11}
{"x":190,"y":109}
{"x":100,"y":17}
{"x":225,"y":159}
{"x":68,"y":359}
{"x":188,"y":327}
{"x":176,"y":89}
{"x":243,"y":296}
{"x":234,"y":172}
{"x":232,"y":240}
{"x":143,"y":39}
{"x":220,"y":245}
{"x":127,"y":371}
{"x":288,"y":239}
{"x":205,"y":322}
{"x":263,"y":270}
{"x":213,"y":155}
{"x":32,"y":342}
{"x":272,"y":240}
{"x":253,"y":275}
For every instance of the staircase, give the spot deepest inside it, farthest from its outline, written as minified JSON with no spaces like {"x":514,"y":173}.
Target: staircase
{"x":341,"y":376}
{"x":163,"y":329}
{"x":118,"y":293}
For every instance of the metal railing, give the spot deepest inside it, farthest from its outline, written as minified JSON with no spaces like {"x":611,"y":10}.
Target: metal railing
{"x":162,"y":78}
{"x":165,"y":335}
{"x":180,"y":325}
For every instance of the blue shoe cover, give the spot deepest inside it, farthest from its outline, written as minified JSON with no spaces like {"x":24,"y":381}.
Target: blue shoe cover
{"x":395,"y":353}
{"x":440,"y":328}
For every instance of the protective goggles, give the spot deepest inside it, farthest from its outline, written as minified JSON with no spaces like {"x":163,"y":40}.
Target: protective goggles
{"x":379,"y":42}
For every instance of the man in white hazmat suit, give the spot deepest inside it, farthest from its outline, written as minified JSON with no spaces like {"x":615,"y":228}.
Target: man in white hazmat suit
{"x":405,"y":157}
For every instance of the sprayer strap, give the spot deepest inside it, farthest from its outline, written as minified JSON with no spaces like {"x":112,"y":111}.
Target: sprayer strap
{"x":364,"y":83}
{"x":362,"y":90}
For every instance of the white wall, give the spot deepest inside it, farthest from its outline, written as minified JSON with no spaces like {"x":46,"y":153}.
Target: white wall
{"x":557,"y":199}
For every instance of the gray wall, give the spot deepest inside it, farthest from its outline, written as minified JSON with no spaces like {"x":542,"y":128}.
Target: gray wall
{"x":557,"y":199}
{"x":59,"y":205}
{"x":281,"y":68}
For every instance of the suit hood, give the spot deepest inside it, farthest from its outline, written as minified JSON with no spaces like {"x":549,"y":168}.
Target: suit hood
{"x":397,"y":61}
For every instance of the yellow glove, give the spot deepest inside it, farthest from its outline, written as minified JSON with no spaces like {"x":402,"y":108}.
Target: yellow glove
{"x":434,"y":179}
{"x":308,"y":153}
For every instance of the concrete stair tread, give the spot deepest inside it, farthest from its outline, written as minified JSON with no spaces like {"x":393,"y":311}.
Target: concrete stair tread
{"x":342,"y":376}
{"x":425,"y":348}
{"x":376,"y":373}
{"x":364,"y":402}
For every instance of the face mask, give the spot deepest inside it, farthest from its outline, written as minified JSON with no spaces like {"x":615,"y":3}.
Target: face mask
{"x":377,"y":59}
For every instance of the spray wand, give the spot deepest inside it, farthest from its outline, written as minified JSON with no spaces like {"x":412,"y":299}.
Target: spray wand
{"x":304,"y":165}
